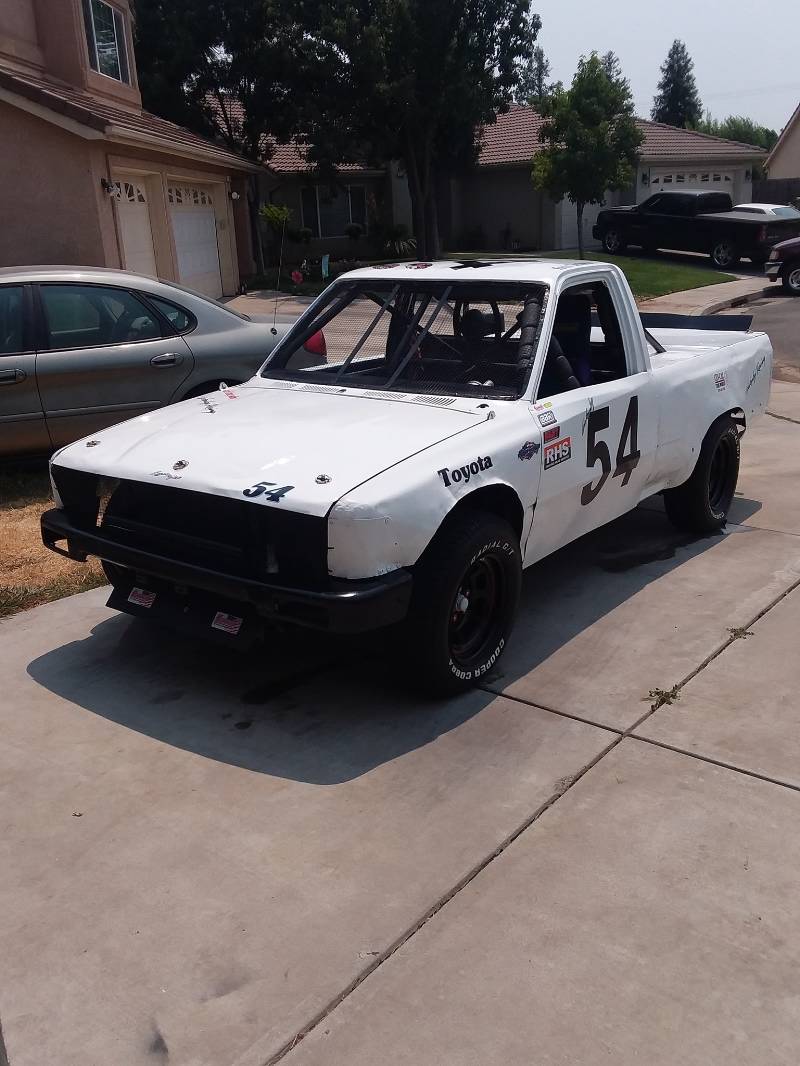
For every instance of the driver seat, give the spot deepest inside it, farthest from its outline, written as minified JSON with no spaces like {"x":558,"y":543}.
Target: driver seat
{"x":573,"y":331}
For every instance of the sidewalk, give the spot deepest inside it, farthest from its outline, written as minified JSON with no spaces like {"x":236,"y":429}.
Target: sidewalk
{"x":707,"y":300}
{"x":265,"y":301}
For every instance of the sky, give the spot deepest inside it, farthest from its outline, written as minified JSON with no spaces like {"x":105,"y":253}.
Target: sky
{"x":746,"y":54}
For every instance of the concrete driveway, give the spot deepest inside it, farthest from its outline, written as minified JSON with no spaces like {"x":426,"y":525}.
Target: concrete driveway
{"x":211,"y":860}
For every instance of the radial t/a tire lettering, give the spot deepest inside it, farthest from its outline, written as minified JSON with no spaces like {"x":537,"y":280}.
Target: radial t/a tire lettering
{"x":702,"y":503}
{"x":466,"y":591}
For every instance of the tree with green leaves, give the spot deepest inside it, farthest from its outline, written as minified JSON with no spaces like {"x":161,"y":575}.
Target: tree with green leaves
{"x":534,"y":86}
{"x":354,"y":80}
{"x":415,"y":81}
{"x":677,"y":102}
{"x":590,"y":137}
{"x":739,"y":128}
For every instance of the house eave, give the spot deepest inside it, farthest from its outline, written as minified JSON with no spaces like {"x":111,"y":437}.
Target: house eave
{"x":122,"y":135}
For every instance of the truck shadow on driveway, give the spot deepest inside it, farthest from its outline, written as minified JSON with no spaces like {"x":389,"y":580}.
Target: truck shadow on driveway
{"x":309,"y":709}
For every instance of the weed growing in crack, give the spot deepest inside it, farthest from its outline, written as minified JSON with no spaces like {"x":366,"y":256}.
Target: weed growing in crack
{"x":661,"y":696}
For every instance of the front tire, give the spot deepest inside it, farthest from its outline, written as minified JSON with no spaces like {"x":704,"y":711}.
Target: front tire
{"x":466,"y":591}
{"x":702,"y":503}
{"x":790,"y":279}
{"x":613,"y":242}
{"x":724,"y":255}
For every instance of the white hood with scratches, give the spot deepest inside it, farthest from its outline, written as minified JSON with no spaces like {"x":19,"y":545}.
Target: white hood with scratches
{"x":233,"y":440}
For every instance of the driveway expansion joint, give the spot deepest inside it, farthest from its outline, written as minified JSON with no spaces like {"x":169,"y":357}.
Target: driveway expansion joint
{"x":618,"y":737}
{"x":716,"y":762}
{"x":784,"y":418}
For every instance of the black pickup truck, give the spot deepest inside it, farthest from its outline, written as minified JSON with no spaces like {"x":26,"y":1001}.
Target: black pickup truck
{"x":693,"y":222}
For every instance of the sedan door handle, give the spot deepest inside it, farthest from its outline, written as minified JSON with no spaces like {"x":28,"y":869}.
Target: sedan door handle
{"x":167,"y":359}
{"x":11,"y":377}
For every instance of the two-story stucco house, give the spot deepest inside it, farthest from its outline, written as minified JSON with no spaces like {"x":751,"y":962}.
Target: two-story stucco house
{"x":90,"y":178}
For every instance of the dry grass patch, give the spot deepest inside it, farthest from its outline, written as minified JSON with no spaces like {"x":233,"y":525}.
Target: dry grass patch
{"x":29,"y":572}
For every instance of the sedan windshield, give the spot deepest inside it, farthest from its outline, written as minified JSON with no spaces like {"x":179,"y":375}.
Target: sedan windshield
{"x":454,"y":338}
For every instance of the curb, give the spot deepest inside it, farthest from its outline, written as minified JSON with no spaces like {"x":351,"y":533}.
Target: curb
{"x":735,"y":301}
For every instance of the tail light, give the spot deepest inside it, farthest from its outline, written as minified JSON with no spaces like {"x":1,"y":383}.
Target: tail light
{"x":316,"y":344}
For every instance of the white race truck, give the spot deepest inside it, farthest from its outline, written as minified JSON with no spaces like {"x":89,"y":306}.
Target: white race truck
{"x":422,"y":433}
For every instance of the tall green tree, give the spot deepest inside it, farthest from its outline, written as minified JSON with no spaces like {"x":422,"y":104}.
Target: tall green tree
{"x":356,"y":80}
{"x":677,"y":102}
{"x":415,"y":80}
{"x":534,"y":86}
{"x":591,"y":139}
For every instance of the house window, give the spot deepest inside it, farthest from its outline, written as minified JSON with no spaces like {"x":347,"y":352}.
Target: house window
{"x":105,"y":36}
{"x":667,"y":179}
{"x":328,"y":211}
{"x":704,"y":177}
{"x":680,"y":178}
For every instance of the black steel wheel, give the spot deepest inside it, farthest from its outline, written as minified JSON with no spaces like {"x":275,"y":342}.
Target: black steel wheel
{"x":702,"y":503}
{"x":466,"y":591}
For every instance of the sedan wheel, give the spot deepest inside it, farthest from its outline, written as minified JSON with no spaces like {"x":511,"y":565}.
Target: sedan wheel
{"x":791,"y":279}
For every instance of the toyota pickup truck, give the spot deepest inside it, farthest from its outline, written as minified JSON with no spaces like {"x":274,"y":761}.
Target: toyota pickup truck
{"x":465,"y":420}
{"x":694,"y":222}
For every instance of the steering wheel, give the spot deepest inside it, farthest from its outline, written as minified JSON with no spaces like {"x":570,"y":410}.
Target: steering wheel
{"x":461,"y":306}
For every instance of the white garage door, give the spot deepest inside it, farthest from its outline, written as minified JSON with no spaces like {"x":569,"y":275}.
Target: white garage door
{"x":194,"y":228}
{"x":668,"y":179}
{"x":134,"y":224}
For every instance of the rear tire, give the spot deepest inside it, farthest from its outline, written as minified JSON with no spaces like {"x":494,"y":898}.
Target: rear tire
{"x":724,"y":255}
{"x":466,"y":591}
{"x":790,"y":278}
{"x":613,"y":242}
{"x":702,"y":503}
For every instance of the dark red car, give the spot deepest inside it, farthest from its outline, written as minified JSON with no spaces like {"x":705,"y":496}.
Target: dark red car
{"x":784,"y":263}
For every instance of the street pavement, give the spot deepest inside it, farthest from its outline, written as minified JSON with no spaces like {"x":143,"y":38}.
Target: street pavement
{"x":217,"y":859}
{"x":779,"y":316}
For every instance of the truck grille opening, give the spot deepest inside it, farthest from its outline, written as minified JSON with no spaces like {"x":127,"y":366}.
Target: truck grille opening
{"x":250,"y":540}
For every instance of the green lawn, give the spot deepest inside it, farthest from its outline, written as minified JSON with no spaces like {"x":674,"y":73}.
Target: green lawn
{"x":651,"y":276}
{"x":647,"y":276}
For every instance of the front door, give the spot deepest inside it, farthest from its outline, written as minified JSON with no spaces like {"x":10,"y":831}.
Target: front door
{"x":105,"y":358}
{"x":599,"y":440}
{"x":22,"y":425}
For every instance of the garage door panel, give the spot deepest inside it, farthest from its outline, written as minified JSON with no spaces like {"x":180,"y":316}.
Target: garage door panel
{"x":194,"y":229}
{"x":135,"y":227}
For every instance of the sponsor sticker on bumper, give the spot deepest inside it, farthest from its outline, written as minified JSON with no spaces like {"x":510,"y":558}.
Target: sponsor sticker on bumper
{"x":142,"y":597}
{"x":228,"y":623}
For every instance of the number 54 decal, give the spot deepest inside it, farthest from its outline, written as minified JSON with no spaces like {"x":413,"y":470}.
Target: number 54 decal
{"x":597,"y":450}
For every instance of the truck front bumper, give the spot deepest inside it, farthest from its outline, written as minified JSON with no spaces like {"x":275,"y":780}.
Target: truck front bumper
{"x":773,"y":269}
{"x":184,"y":592}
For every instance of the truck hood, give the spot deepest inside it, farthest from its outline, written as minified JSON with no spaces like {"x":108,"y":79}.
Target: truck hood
{"x":320,"y":441}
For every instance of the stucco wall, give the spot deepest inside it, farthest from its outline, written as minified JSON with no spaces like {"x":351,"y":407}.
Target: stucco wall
{"x":49,"y":207}
{"x":505,"y":206}
{"x":786,"y":161}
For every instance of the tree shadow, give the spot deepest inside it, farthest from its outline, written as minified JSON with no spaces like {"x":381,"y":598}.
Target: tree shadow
{"x":309,"y":708}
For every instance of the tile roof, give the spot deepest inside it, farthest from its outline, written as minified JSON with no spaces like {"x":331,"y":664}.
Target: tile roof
{"x":290,"y":158}
{"x":116,"y":121}
{"x":514,"y":139}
